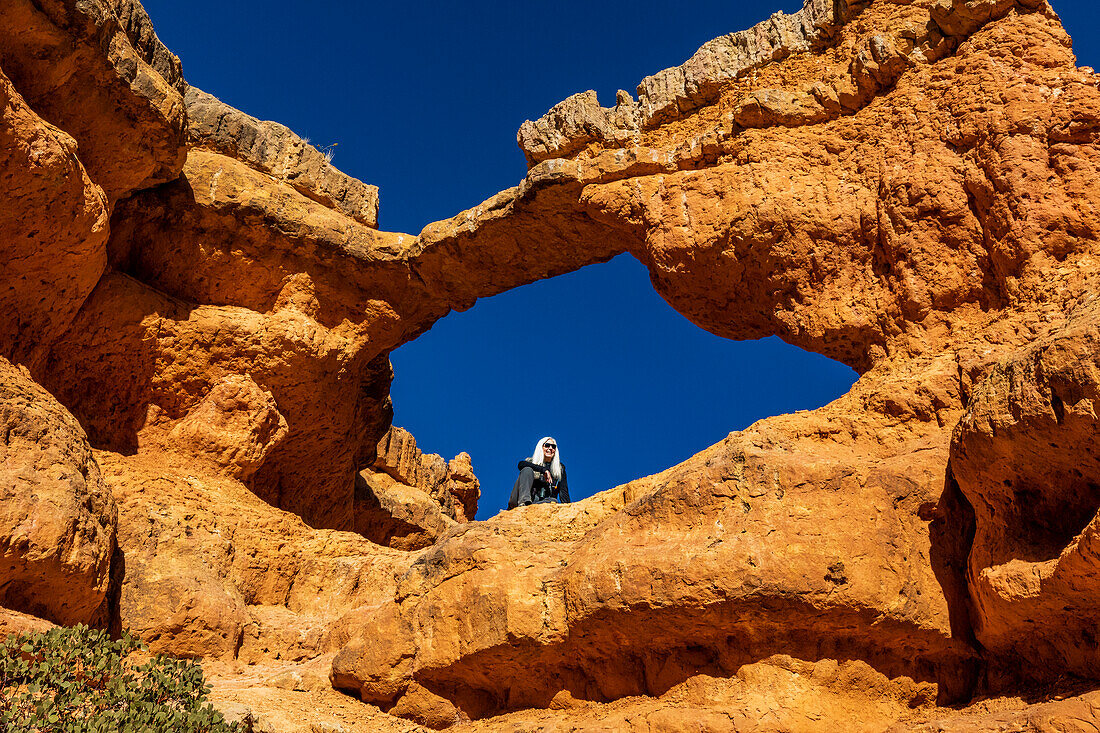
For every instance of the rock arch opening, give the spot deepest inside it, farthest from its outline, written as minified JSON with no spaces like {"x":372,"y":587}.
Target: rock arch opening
{"x":598,"y":359}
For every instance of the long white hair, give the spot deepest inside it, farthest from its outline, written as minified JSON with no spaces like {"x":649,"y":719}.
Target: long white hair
{"x":555,"y":465}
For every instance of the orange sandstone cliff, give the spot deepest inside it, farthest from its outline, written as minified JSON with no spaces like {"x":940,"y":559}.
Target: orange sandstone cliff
{"x":197,"y":310}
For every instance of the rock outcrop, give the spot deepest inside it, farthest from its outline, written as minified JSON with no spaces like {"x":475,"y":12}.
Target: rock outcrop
{"x":212,"y":571}
{"x":407,"y":499}
{"x":908,"y":186}
{"x":900,"y":249}
{"x":778,"y":693}
{"x":57,"y":520}
{"x":1064,"y":714}
{"x":76,"y":65}
{"x":275,"y":149}
{"x":234,"y":427}
{"x":53,"y":224}
{"x":579,"y":121}
{"x":1027,"y":458}
{"x":742,"y":552}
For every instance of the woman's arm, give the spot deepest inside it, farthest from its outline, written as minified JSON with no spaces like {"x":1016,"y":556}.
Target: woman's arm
{"x":563,"y":487}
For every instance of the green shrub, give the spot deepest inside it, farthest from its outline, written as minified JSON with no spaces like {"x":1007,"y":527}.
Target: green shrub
{"x":78,"y":680}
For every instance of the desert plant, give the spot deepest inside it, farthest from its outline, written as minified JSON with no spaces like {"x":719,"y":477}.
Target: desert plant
{"x":71,"y":679}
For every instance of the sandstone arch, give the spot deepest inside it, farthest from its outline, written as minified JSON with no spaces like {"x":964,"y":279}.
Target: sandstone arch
{"x":908,"y":187}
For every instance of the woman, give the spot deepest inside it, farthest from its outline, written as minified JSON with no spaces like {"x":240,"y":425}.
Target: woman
{"x":542,"y":478}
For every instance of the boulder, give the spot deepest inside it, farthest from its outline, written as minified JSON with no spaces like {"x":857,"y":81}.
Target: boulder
{"x":394,"y":514}
{"x":57,"y":519}
{"x":235,"y":426}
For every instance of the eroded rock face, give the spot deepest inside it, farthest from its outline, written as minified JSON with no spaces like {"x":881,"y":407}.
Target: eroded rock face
{"x":234,"y":427}
{"x":1075,"y":713}
{"x":282,"y":305}
{"x":779,"y":693}
{"x":212,"y":571}
{"x":53,"y":225}
{"x":408,"y":499}
{"x":1027,"y":457}
{"x":76,"y":65}
{"x":865,"y":271}
{"x":275,"y":149}
{"x":395,"y":514}
{"x":741,"y":552}
{"x":896,"y":248}
{"x":94,"y":75}
{"x":909,"y":187}
{"x":57,"y":520}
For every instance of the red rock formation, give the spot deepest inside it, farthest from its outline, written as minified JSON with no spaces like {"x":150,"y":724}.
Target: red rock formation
{"x":57,"y":521}
{"x":778,"y":693}
{"x":234,"y":427}
{"x":451,"y":484}
{"x":1064,"y":714}
{"x":298,"y":336}
{"x":744,"y":551}
{"x":1027,"y":457}
{"x":907,"y":186}
{"x":900,"y":249}
{"x":53,"y":225}
{"x":13,"y":622}
{"x":212,"y":571}
{"x":272,"y":148}
{"x":77,"y":67}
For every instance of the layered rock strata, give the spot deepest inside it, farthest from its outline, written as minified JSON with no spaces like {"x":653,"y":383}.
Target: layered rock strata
{"x":275,"y":149}
{"x":578,"y":121}
{"x":451,"y":484}
{"x":77,"y":66}
{"x":907,"y":186}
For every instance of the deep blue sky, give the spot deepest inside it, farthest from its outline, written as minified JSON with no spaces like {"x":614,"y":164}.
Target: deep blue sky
{"x":424,"y":101}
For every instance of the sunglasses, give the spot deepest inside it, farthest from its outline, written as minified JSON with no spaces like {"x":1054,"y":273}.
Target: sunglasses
{"x":550,"y":445}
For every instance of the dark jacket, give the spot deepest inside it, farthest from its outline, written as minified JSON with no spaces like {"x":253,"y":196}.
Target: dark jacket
{"x":540,"y":490}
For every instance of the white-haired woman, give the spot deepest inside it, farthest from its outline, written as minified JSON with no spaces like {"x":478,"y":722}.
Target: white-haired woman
{"x":541,"y":477}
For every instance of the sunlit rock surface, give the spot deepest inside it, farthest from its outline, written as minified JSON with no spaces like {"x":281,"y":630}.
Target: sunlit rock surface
{"x":909,"y":187}
{"x":57,"y":520}
{"x":407,"y":499}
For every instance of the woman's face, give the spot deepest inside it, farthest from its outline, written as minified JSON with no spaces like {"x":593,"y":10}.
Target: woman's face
{"x":549,"y":450}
